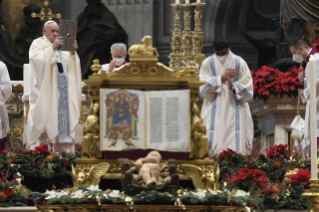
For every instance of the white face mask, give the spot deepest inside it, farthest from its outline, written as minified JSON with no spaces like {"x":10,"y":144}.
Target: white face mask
{"x":297,"y":58}
{"x":222,"y":59}
{"x":119,"y":61}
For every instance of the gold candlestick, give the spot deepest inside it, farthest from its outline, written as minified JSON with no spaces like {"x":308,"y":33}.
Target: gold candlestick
{"x":198,"y":37}
{"x":187,"y":36}
{"x":176,"y":57}
{"x":313,"y":194}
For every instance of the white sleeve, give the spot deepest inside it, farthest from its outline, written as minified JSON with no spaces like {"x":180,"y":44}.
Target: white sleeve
{"x":5,"y":84}
{"x":213,"y":83}
{"x":244,"y":86}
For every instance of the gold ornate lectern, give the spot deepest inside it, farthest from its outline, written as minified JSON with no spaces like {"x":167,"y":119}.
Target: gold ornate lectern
{"x":145,"y":73}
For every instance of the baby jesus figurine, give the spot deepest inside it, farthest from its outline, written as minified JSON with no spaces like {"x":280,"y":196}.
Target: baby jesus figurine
{"x":149,"y":168}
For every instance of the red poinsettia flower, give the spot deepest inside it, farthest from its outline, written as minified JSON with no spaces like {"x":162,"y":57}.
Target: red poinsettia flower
{"x":263,"y":91}
{"x":281,"y":147}
{"x":260,"y":80}
{"x":255,"y":175}
{"x":42,"y":148}
{"x":221,"y":155}
{"x":66,"y":163}
{"x":37,"y":165}
{"x":302,"y":176}
{"x":4,"y":152}
{"x":260,"y":176}
{"x":250,"y":166}
{"x":262,"y":157}
{"x":78,"y":146}
{"x":264,"y":71}
{"x":278,"y":151}
{"x":294,"y":182}
{"x":9,"y":192}
{"x":315,"y":45}
{"x":232,"y":151}
{"x":241,"y":175}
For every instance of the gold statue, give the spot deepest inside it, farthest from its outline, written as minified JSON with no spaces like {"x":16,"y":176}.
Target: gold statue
{"x":146,"y":50}
{"x":91,"y":143}
{"x":85,"y":175}
{"x":199,"y":137}
{"x":205,"y":178}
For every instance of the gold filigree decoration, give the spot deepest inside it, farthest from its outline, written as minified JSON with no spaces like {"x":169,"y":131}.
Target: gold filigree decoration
{"x":46,"y":13}
{"x":144,"y":52}
{"x":89,"y":174}
{"x":204,"y":177}
{"x":144,"y":69}
{"x":199,"y":143}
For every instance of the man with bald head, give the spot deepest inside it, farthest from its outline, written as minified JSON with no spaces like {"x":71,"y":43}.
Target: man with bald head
{"x":55,"y":91}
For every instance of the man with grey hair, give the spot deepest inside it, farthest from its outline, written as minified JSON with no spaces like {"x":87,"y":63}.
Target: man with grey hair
{"x":119,"y":52}
{"x":55,"y":92}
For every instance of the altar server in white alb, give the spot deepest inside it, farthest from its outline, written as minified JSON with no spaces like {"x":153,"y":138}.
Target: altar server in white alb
{"x":5,"y":93}
{"x":225,"y":110}
{"x":55,"y":91}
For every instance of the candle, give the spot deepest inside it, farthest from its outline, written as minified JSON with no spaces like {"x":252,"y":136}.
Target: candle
{"x":26,"y":79}
{"x":177,"y":2}
{"x":313,"y":118}
{"x":198,"y":1}
{"x":187,"y":2}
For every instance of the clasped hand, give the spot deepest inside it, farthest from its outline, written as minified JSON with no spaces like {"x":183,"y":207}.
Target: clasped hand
{"x":300,"y":77}
{"x":59,"y":42}
{"x":230,"y":73}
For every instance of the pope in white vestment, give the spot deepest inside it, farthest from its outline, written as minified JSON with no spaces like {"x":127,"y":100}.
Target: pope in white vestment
{"x":55,"y":92}
{"x":225,"y":111}
{"x":5,"y":93}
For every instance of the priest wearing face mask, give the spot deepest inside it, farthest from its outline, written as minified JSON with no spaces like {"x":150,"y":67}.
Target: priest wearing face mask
{"x":119,"y":52}
{"x":301,"y":51}
{"x":225,"y":110}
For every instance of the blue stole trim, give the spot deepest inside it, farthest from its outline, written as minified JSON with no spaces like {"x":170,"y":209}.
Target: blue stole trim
{"x":242,"y":89}
{"x":237,"y":128}
{"x":207,"y":86}
{"x":212,"y":120}
{"x":63,"y":109}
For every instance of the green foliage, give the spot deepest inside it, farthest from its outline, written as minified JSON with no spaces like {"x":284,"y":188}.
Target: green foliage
{"x":188,"y":198}
{"x":25,"y":163}
{"x":19,"y":197}
{"x":289,"y":198}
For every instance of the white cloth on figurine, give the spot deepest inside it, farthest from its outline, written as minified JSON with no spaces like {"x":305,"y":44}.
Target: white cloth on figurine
{"x":305,"y":96}
{"x":5,"y":93}
{"x":44,"y":94}
{"x":227,"y":115}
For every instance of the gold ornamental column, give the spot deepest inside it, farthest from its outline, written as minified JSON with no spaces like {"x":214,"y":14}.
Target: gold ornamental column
{"x":187,"y":35}
{"x":198,"y":37}
{"x":176,"y":57}
{"x":312,"y":194}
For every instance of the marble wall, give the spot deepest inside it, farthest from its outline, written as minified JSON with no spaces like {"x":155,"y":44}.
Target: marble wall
{"x":135,"y":16}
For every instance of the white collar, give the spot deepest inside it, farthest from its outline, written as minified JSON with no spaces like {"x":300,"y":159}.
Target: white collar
{"x":46,"y":39}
